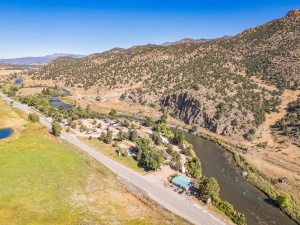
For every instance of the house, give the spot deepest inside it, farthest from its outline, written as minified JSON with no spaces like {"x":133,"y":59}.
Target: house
{"x":65,"y":121}
{"x":182,"y":182}
{"x":183,"y":169}
{"x":164,"y":140}
{"x":120,"y":128}
{"x":167,"y":155}
{"x":107,"y":120}
{"x":283,"y":179}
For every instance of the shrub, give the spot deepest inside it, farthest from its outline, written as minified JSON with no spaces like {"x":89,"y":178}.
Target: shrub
{"x":33,"y":117}
{"x":194,"y":128}
{"x":115,"y":144}
{"x":56,"y":129}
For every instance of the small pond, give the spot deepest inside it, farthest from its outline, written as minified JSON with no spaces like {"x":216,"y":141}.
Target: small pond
{"x":19,"y":81}
{"x":4,"y":133}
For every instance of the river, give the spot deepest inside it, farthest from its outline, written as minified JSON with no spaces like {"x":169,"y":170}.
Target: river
{"x":58,"y":102}
{"x":234,"y":188}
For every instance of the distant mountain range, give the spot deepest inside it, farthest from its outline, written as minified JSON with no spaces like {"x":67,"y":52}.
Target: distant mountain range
{"x":191,"y":40}
{"x":41,"y":60}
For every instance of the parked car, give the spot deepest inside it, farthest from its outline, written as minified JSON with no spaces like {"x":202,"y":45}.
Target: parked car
{"x":181,"y":192}
{"x":188,"y":193}
{"x":177,"y":189}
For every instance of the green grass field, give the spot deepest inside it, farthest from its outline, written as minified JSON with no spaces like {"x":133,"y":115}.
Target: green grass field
{"x":45,"y":180}
{"x":110,"y":152}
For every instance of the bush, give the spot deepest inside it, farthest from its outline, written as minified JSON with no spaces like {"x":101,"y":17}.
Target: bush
{"x":179,"y":137}
{"x":56,"y":129}
{"x":125,"y":153}
{"x":178,"y":165}
{"x":283,"y":200}
{"x":187,"y":152}
{"x":228,"y":209}
{"x":73,"y":125}
{"x":263,"y":144}
{"x":148,"y":121}
{"x":194,"y":128}
{"x":115,"y":144}
{"x":133,"y":135}
{"x":33,"y":117}
{"x":113,"y":112}
{"x":156,"y":138}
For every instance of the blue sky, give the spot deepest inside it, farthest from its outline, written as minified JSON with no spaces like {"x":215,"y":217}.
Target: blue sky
{"x":36,"y":28}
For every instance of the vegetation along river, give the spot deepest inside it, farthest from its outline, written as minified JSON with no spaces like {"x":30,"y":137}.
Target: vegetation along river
{"x":234,"y":188}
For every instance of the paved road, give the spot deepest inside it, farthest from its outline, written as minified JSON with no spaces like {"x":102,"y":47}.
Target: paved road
{"x":160,"y":194}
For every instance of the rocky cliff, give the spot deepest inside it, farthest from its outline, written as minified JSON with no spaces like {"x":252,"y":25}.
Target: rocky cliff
{"x":194,"y":110}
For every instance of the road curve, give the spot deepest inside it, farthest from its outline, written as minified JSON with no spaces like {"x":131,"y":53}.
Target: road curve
{"x":160,"y":194}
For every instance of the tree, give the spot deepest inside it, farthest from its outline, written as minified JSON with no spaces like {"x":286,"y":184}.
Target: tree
{"x":178,"y":165}
{"x":234,"y":122}
{"x":121,"y":135}
{"x":150,"y":157}
{"x":156,"y":138}
{"x":115,"y":144}
{"x":102,"y":136}
{"x":163,"y":118}
{"x":194,"y":128}
{"x":95,"y":121}
{"x":33,"y":117}
{"x":133,"y":135}
{"x":112,"y":112}
{"x":126,"y":123}
{"x":170,"y":149}
{"x":283,"y":200}
{"x":195,"y":167}
{"x":176,"y":156}
{"x":108,"y":138}
{"x":179,"y":137}
{"x":125,"y":153}
{"x":209,"y":187}
{"x":56,"y":128}
{"x":163,"y":128}
{"x":148,"y":121}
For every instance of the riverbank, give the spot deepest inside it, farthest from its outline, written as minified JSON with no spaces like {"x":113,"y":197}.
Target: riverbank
{"x":256,"y":177}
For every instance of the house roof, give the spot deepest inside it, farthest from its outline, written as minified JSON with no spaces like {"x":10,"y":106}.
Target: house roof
{"x":182,"y":181}
{"x":167,"y":155}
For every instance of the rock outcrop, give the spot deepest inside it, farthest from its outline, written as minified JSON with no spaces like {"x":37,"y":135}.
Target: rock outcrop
{"x":194,"y":110}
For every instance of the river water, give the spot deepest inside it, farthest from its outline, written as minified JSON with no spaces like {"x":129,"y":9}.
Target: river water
{"x":58,"y":102}
{"x":234,"y":188}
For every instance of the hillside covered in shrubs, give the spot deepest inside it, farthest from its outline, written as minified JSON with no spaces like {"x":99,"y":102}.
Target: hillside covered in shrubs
{"x":209,"y":84}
